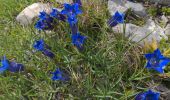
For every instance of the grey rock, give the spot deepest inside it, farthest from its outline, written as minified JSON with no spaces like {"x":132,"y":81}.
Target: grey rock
{"x":137,"y":8}
{"x":29,"y":13}
{"x":164,"y":20}
{"x":146,"y":33}
{"x":123,"y":5}
{"x":130,"y":29}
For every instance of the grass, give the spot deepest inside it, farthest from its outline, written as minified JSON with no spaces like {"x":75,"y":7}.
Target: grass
{"x":109,"y":67}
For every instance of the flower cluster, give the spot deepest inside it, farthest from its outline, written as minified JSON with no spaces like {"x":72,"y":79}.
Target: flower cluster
{"x":71,"y":11}
{"x":48,"y":21}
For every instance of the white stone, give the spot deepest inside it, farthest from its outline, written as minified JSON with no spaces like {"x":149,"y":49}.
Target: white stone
{"x":29,"y":13}
{"x":123,"y":5}
{"x":137,"y":8}
{"x":146,"y":33}
{"x":129,"y":31}
{"x":64,"y":1}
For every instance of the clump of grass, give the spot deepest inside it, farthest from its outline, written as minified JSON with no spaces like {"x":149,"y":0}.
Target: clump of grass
{"x":166,"y":10}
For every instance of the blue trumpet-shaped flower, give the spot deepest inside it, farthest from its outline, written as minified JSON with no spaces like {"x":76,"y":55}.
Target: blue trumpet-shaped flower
{"x":116,"y":19}
{"x":78,"y":40}
{"x":72,"y":20}
{"x":45,"y":21}
{"x":44,"y":48}
{"x":56,"y":14}
{"x":43,"y":25}
{"x":16,"y":67}
{"x":39,"y":45}
{"x":57,"y":75}
{"x":71,"y":9}
{"x":43,"y":15}
{"x":156,"y":61}
{"x":148,"y":95}
{"x":4,"y":65}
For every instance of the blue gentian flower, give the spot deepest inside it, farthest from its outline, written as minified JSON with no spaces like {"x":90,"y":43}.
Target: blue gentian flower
{"x":56,"y":14}
{"x":40,"y":25}
{"x":16,"y":67}
{"x":156,"y":61}
{"x":71,"y":9}
{"x":116,"y":19}
{"x":44,"y":48}
{"x":148,"y":95}
{"x":78,"y":1}
{"x":39,"y":45}
{"x":43,"y":15}
{"x":45,"y":22}
{"x":4,"y":65}
{"x":57,"y":75}
{"x":72,"y":20}
{"x":78,"y":40}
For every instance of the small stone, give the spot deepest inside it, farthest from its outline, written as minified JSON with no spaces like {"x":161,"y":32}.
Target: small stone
{"x":29,"y":13}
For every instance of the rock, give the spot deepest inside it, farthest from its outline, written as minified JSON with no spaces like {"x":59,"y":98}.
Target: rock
{"x":123,"y":5}
{"x":164,"y":20}
{"x":143,"y":34}
{"x":167,"y":29}
{"x":129,"y":31}
{"x":64,"y":1}
{"x":29,"y":13}
{"x":117,"y":5}
{"x":137,"y":8}
{"x":164,"y":2}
